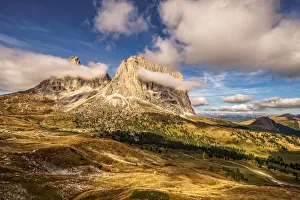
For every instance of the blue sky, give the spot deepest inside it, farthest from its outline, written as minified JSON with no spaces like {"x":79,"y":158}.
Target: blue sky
{"x":67,"y":28}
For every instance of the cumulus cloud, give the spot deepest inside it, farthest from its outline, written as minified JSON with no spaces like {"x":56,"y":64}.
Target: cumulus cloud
{"x":232,"y":33}
{"x":239,"y":98}
{"x":119,"y":17}
{"x":274,"y":103}
{"x":201,"y":101}
{"x":168,"y":80}
{"x":166,"y":53}
{"x":277,"y":102}
{"x":22,"y":70}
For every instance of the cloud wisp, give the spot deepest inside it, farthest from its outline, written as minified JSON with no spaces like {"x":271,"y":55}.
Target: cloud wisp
{"x":118,"y":17}
{"x":201,"y":101}
{"x":21,"y":69}
{"x":235,"y":108}
{"x":11,"y":41}
{"x":246,"y":35}
{"x":168,"y":80}
{"x":239,"y":98}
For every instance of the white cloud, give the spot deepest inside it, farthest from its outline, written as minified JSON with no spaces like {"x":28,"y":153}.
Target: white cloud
{"x":119,"y":17}
{"x":246,"y":34}
{"x":274,"y":103}
{"x":239,"y":98}
{"x":201,"y":101}
{"x":166,"y":53}
{"x":22,"y":70}
{"x":277,"y":102}
{"x":167,"y":80}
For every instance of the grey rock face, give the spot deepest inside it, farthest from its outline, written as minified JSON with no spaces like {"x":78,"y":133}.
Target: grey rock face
{"x":58,"y":87}
{"x":127,"y":85}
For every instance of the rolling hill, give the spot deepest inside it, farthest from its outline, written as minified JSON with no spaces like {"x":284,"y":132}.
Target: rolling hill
{"x":291,"y":121}
{"x":267,"y":124}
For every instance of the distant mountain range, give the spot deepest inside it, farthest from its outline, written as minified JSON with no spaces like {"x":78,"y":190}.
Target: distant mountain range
{"x":246,"y":117}
{"x":233,"y":117}
{"x":288,"y":115}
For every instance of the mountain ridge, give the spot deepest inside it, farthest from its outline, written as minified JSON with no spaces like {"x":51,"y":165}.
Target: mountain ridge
{"x":125,"y":89}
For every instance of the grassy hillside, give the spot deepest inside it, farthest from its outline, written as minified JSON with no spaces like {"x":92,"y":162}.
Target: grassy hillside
{"x":59,"y":165}
{"x":291,"y":122}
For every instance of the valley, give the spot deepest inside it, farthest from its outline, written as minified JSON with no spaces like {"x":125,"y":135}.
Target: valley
{"x":60,"y":165}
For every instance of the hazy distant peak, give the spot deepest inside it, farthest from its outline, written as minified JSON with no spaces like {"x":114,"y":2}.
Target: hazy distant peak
{"x":287,"y":115}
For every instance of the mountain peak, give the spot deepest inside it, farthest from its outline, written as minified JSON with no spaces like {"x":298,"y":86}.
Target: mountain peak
{"x":128,"y":86}
{"x":132,"y":64}
{"x":265,"y":123}
{"x":75,"y":60}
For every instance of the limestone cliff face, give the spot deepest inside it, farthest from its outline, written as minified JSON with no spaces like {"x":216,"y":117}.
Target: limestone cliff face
{"x":127,"y":84}
{"x":130,"y":65}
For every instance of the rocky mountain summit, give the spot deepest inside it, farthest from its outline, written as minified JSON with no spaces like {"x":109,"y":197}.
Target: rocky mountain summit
{"x":125,"y":91}
{"x":126,"y":87}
